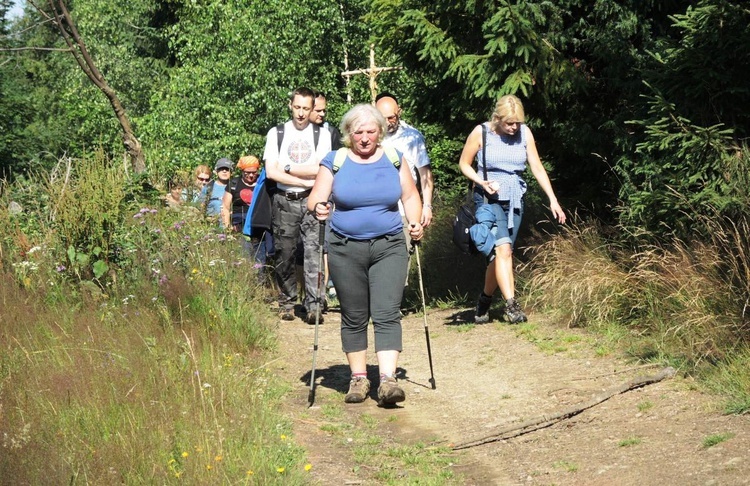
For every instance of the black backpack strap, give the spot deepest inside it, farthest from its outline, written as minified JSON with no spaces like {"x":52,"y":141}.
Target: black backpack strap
{"x":279,"y":135}
{"x":316,"y":134}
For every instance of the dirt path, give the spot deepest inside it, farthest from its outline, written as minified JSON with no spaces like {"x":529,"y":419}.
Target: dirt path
{"x":489,"y":377}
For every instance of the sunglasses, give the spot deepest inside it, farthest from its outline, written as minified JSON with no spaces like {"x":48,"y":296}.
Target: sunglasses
{"x":247,"y":173}
{"x":204,"y":179}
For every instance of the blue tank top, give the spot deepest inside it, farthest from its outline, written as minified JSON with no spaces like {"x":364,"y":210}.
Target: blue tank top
{"x":366,"y":198}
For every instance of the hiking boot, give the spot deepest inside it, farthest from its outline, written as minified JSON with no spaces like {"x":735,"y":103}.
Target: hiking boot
{"x":482,"y":312}
{"x":286,"y":314}
{"x":359,"y":387}
{"x":389,"y":392}
{"x":310,"y":318}
{"x":513,"y":312}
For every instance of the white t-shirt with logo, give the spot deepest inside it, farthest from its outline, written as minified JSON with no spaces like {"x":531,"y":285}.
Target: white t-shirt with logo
{"x":297,"y":148}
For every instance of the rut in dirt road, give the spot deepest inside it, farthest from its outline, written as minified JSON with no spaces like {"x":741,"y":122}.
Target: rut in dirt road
{"x":495,"y":376}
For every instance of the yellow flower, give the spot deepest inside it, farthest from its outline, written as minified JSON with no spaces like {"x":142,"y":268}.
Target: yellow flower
{"x":195,"y":270}
{"x":208,"y":467}
{"x":185,"y":454}
{"x":217,"y":458}
{"x":308,"y":467}
{"x":250,"y":472}
{"x":279,"y":470}
{"x":177,"y":474}
{"x":283,"y":437}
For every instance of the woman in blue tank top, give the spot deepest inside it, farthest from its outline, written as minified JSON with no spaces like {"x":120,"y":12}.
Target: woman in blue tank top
{"x":498,"y":193}
{"x":366,"y":251}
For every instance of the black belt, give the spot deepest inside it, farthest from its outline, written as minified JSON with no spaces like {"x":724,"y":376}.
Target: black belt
{"x":296,"y":196}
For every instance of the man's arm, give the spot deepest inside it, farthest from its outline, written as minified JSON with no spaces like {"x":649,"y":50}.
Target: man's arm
{"x":427,"y":184}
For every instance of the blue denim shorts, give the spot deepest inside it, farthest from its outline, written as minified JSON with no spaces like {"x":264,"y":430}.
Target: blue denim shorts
{"x":500,"y":209}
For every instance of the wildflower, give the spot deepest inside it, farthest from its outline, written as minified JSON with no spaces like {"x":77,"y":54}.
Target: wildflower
{"x":208,"y":467}
{"x":250,"y":472}
{"x":137,"y":215}
{"x":153,"y":211}
{"x":283,"y":437}
{"x":280,"y":470}
{"x":218,"y":458}
{"x":33,"y":249}
{"x":177,"y":226}
{"x":177,"y":474}
{"x":157,"y":231}
{"x":60,"y":268}
{"x":206,"y":385}
{"x":144,"y":210}
{"x":222,"y":237}
{"x":186,"y":237}
{"x":185,"y":454}
{"x":308,"y":467}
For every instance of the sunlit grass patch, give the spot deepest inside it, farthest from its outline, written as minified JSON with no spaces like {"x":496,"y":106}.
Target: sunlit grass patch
{"x":716,"y":439}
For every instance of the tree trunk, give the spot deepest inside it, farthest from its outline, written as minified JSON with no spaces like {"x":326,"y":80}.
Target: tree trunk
{"x":72,"y":38}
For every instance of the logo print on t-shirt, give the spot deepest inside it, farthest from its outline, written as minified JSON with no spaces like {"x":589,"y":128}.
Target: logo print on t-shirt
{"x":299,"y":151}
{"x":247,"y":196}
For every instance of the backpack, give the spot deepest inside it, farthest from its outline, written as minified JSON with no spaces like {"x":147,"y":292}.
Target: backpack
{"x":465,"y":216}
{"x":280,"y":135}
{"x":340,"y":158}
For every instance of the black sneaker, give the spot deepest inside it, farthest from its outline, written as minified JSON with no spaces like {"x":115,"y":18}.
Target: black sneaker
{"x":513,"y":312}
{"x":482,"y":311}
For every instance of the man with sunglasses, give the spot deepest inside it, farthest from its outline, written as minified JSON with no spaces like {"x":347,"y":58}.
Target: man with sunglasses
{"x":214,"y":190}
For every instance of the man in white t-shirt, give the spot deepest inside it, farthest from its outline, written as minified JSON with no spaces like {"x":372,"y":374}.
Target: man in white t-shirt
{"x":292,"y":154}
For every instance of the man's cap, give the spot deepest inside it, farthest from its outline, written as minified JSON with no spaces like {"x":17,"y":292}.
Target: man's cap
{"x":223,"y":163}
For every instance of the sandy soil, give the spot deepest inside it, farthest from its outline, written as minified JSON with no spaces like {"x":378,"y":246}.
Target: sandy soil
{"x":489,"y":377}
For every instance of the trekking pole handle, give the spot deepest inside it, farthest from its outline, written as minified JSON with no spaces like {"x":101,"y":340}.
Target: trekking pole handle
{"x":326,"y":206}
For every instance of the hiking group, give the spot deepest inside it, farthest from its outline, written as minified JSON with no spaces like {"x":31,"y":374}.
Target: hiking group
{"x":369,"y":187}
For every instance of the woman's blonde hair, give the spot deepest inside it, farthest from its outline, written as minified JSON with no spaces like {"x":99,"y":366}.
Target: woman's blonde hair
{"x":358,"y":116}
{"x":508,"y":106}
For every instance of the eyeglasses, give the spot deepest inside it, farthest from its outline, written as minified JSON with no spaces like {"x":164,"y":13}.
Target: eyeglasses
{"x":204,"y":179}
{"x":248,"y":173}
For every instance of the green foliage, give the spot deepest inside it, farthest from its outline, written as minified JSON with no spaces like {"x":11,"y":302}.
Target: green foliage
{"x":237,"y":62}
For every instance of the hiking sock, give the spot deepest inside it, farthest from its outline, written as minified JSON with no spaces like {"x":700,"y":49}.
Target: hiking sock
{"x":362,"y":374}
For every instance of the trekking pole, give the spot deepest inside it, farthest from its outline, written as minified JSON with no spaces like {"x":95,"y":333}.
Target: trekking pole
{"x":415,"y":244}
{"x":321,"y":242}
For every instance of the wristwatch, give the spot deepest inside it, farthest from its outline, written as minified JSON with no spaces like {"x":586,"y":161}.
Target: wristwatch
{"x":287,"y":168}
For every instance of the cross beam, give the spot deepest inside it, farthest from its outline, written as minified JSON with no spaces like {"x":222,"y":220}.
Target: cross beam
{"x":371,"y":72}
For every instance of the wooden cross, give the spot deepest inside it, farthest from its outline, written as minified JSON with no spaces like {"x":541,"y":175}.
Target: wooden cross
{"x":372,"y":72}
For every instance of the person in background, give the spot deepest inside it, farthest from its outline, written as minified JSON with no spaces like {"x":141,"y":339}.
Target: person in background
{"x":410,"y":142}
{"x":318,"y":117}
{"x":235,"y":208}
{"x":367,"y":251}
{"x":189,"y":193}
{"x":213,"y":194}
{"x":500,"y":198}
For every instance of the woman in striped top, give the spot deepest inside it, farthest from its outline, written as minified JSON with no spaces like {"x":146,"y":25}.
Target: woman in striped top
{"x":499,"y":193}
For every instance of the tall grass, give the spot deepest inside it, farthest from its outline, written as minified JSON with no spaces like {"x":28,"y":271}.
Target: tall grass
{"x":151,"y":373}
{"x":686,"y":303}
